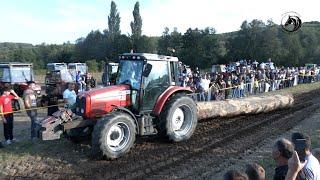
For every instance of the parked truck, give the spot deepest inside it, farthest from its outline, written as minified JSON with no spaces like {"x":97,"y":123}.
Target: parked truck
{"x":15,"y":75}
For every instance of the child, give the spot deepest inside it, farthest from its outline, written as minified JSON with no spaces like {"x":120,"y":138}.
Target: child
{"x":6,"y":113}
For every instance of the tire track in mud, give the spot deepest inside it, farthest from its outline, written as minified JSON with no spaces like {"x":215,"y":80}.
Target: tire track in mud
{"x":213,"y":156}
{"x":156,"y":158}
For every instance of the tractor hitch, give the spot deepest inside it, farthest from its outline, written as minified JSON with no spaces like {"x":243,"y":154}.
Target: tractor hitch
{"x":51,"y":127}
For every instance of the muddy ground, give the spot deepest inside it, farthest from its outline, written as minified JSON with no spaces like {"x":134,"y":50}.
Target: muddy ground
{"x":218,"y":145}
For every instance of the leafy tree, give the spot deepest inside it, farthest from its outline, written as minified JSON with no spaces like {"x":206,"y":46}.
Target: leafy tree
{"x":170,"y":43}
{"x":114,"y":20}
{"x":136,"y":27}
{"x":92,"y":65}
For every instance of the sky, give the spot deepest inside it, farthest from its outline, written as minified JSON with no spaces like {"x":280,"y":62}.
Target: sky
{"x":59,"y":21}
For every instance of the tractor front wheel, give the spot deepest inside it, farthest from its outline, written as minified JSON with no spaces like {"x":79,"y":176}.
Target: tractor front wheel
{"x":179,"y":119}
{"x":113,"y":135}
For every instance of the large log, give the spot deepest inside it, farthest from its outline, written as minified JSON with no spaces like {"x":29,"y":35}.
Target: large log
{"x":248,"y":105}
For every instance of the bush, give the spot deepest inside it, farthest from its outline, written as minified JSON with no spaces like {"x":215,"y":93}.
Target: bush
{"x":93,"y":65}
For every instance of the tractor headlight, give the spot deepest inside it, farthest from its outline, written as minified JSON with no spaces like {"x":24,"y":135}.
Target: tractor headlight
{"x":81,"y":110}
{"x":38,"y":92}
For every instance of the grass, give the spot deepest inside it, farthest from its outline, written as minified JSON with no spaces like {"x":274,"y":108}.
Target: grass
{"x":301,"y":88}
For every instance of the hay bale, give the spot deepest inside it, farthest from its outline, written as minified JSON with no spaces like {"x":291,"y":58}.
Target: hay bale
{"x":249,"y":105}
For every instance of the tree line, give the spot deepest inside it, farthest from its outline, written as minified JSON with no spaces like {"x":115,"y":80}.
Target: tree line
{"x":196,"y":47}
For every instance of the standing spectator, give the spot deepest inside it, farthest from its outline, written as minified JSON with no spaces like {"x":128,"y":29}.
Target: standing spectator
{"x":294,"y":167}
{"x":222,"y":85}
{"x":30,"y":102}
{"x":192,"y":86}
{"x":312,"y":167}
{"x":228,"y":86}
{"x":241,"y":87}
{"x":214,"y":89}
{"x":235,"y":175}
{"x":197,"y":72}
{"x":69,"y":96}
{"x":200,"y":89}
{"x":255,"y":64}
{"x":80,"y":81}
{"x":205,"y":84}
{"x":52,"y":101}
{"x":250,"y":82}
{"x":282,"y":151}
{"x":7,"y":113}
{"x":255,"y":172}
{"x":316,"y":153}
{"x":234,"y":82}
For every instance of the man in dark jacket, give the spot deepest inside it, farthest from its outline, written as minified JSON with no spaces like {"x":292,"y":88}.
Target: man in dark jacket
{"x":282,"y":151}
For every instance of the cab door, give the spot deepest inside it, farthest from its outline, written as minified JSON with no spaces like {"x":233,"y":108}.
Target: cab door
{"x":155,"y":84}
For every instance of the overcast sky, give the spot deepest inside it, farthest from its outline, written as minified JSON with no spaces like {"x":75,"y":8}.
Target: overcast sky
{"x":58,"y":21}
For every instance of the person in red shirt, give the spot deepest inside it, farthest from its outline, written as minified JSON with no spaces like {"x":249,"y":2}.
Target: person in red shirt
{"x":6,"y":113}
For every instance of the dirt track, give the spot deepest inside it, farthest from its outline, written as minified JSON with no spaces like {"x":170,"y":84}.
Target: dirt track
{"x":205,"y":155}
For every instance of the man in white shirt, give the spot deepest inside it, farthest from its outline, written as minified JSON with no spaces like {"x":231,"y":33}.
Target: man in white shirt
{"x":312,"y":167}
{"x":205,"y":82}
{"x":69,"y":96}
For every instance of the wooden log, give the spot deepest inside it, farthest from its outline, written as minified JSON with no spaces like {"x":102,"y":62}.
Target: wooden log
{"x":248,"y":105}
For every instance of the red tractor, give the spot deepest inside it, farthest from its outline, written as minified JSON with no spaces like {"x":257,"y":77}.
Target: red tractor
{"x":144,"y":101}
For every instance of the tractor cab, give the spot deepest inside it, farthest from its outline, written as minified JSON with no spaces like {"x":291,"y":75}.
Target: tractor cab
{"x":57,"y":76}
{"x":56,"y":67}
{"x":148,"y":76}
{"x":57,"y":73}
{"x":110,"y":73}
{"x":74,"y":68}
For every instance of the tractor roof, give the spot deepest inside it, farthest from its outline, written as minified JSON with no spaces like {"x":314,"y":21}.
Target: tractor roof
{"x":77,"y":64}
{"x":146,"y":56}
{"x":6,"y":64}
{"x":56,"y":64}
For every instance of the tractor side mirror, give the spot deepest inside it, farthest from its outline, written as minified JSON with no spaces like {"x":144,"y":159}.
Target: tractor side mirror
{"x":147,"y":70}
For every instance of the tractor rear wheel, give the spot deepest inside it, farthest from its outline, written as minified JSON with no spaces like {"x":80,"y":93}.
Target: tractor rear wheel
{"x":113,"y":135}
{"x":179,"y":119}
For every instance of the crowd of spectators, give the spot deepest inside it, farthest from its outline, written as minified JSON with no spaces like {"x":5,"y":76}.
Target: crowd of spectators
{"x":294,"y":159}
{"x":237,"y":80}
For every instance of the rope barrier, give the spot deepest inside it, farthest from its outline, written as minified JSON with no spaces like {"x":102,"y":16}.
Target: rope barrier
{"x":30,"y":109}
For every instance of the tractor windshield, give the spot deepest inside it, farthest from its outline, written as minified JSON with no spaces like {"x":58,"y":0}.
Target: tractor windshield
{"x":4,"y":74}
{"x":17,"y":74}
{"x":79,"y":67}
{"x":130,"y":72}
{"x":56,"y":67}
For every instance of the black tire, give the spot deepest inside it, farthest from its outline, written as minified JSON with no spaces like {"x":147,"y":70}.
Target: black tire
{"x":100,"y":141}
{"x":18,"y":104}
{"x":78,"y":135}
{"x":167,"y":127}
